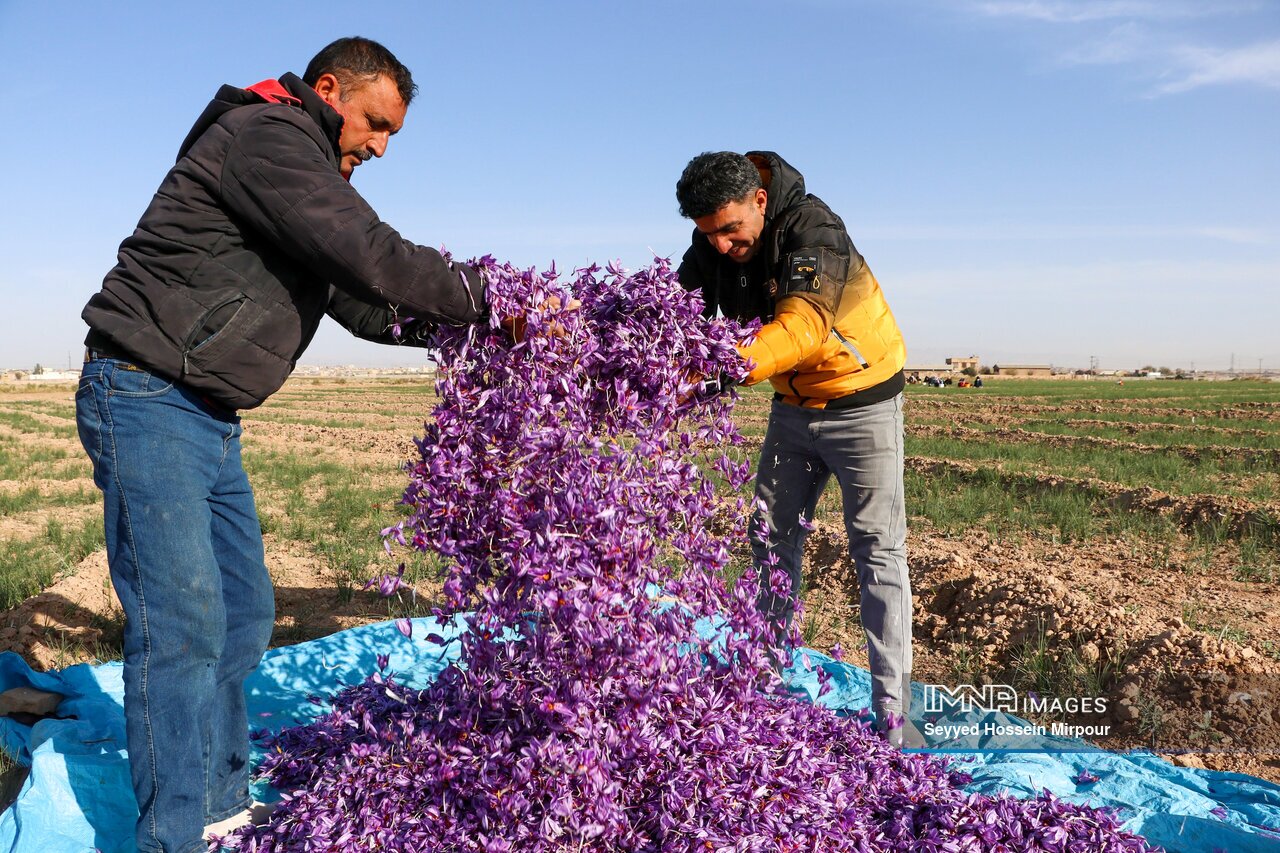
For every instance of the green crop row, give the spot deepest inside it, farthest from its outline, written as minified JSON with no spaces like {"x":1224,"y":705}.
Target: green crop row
{"x":1167,"y":472}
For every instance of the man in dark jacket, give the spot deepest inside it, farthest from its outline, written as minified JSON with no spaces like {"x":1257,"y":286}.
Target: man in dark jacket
{"x":763,"y":248}
{"x":253,"y":235}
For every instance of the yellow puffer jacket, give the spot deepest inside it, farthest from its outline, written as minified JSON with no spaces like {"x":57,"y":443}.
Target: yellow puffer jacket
{"x":828,"y":331}
{"x":812,"y":357}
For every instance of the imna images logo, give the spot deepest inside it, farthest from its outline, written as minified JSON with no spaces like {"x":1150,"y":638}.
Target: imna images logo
{"x":989,"y":698}
{"x":939,"y":698}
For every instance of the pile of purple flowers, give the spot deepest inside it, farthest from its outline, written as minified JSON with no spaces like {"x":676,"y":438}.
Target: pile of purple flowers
{"x":613,"y":692}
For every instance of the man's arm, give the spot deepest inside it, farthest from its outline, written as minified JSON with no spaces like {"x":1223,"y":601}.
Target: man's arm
{"x":376,"y":323}
{"x":278,"y":181}
{"x":816,"y":262}
{"x":692,"y":277}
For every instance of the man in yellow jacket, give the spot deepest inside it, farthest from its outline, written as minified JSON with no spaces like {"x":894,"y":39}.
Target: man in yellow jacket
{"x":765,"y":248}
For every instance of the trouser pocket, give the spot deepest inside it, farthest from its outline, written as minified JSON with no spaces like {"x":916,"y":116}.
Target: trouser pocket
{"x":89,"y":419}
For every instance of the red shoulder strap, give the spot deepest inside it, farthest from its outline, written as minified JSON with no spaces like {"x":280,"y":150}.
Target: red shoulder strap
{"x":273,"y":92}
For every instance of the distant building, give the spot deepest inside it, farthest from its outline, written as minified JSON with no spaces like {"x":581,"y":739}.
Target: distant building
{"x":929,"y":369}
{"x":961,"y":364}
{"x":1040,"y":370}
{"x":50,"y":375}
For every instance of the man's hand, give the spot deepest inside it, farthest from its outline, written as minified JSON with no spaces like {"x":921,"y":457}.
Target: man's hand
{"x":518,"y":326}
{"x":697,"y":386}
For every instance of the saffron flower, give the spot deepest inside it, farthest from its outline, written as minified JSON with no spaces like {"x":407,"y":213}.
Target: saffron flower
{"x":616,"y":688}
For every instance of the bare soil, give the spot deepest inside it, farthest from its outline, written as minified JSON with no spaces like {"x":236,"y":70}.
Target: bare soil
{"x":1186,"y":654}
{"x":980,"y":604}
{"x":78,"y":618}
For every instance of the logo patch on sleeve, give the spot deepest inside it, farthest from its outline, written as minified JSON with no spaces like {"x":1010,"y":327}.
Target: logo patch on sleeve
{"x":803,"y":267}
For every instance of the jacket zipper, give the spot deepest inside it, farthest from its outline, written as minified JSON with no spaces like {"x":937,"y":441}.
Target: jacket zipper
{"x":187,"y":349}
{"x":849,"y":345}
{"x":791,"y":383}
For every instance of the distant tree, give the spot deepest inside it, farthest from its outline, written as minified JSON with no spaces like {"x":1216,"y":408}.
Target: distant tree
{"x":986,"y":371}
{"x":39,"y":370}
{"x":1146,"y":368}
{"x":1167,"y":371}
{"x":970,"y":371}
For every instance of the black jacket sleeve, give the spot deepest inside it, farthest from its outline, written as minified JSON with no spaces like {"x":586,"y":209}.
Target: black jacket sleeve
{"x":692,"y":277}
{"x":376,"y":323}
{"x":817,"y":258}
{"x":278,"y":179}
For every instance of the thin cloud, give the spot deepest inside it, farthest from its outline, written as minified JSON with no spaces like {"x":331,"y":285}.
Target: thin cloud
{"x":1142,"y":34}
{"x":1113,"y":281}
{"x":1041,"y":233}
{"x":1076,"y":12}
{"x":1123,"y":45}
{"x":1242,"y":236}
{"x":1258,"y":64}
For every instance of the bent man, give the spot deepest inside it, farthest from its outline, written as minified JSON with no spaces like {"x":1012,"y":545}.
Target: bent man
{"x":253,"y":236}
{"x":763,"y":248}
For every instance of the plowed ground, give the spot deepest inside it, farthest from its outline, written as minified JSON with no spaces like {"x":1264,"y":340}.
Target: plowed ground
{"x":1070,"y":537}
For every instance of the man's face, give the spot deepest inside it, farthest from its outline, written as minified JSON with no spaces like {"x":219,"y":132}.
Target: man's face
{"x":372,"y":112}
{"x":735,"y":229}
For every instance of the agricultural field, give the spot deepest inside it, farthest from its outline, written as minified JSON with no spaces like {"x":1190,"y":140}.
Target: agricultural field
{"x":1072,"y":538}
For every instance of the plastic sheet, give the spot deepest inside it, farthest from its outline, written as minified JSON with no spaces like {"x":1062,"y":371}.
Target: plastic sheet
{"x":77,"y":797}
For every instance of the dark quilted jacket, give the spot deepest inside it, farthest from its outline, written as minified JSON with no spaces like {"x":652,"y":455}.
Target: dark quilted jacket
{"x":251,"y":238}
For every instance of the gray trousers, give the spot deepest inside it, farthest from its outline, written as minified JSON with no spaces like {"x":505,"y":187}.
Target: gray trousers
{"x":862,"y":447}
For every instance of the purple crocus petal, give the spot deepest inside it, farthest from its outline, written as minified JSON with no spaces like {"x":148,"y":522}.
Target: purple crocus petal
{"x":1084,"y":777}
{"x":556,"y":483}
{"x":387,"y":585}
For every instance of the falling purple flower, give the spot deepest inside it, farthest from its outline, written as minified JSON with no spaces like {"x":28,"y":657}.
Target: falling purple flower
{"x":388,"y":584}
{"x":398,"y":324}
{"x":560,"y":478}
{"x":1084,"y":777}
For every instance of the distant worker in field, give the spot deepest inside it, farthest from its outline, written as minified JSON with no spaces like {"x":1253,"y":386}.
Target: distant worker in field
{"x":765,"y":248}
{"x":253,"y":236}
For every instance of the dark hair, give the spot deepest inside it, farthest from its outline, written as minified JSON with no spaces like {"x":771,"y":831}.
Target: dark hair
{"x":712,"y":180}
{"x":354,"y":61}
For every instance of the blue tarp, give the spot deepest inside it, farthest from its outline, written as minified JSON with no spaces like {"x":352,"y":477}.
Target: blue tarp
{"x":77,"y":797}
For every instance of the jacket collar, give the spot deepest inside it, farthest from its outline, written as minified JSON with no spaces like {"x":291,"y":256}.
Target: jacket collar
{"x":289,"y":88}
{"x":785,"y":186}
{"x":328,"y":119}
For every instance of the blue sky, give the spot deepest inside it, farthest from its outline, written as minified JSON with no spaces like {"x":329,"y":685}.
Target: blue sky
{"x":1031,"y":181}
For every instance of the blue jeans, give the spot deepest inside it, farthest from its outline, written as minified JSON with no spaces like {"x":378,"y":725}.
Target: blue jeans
{"x":862,"y":447}
{"x":185,"y":549}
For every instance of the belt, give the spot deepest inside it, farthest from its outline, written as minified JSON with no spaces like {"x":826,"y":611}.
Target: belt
{"x":97,"y":347}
